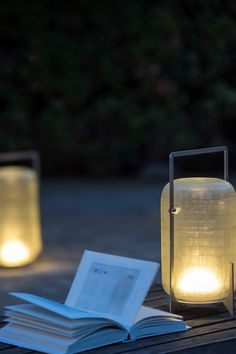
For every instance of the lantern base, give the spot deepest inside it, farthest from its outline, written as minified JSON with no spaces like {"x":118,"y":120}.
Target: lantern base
{"x":228,"y":302}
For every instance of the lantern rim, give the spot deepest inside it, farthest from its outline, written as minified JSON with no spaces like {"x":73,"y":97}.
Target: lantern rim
{"x":199,"y":180}
{"x":16,"y":173}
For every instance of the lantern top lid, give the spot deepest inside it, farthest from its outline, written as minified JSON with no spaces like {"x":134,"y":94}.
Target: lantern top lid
{"x":202,"y":185}
{"x":15,"y":173}
{"x":199,"y":180}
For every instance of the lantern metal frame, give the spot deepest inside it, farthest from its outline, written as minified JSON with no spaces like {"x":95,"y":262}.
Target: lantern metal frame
{"x":174,"y":304}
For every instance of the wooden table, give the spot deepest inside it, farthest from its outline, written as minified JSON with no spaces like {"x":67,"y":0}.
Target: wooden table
{"x":213,"y":331}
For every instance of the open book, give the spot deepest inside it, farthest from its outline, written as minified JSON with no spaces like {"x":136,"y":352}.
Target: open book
{"x":104,"y":306}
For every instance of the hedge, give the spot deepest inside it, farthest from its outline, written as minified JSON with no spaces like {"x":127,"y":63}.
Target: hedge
{"x":106,"y":87}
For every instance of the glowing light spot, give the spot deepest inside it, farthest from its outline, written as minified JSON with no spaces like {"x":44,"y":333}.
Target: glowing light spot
{"x":14,"y":253}
{"x":199,"y":280}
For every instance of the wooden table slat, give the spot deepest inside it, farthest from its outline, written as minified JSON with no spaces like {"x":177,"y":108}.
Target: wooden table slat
{"x":219,"y":339}
{"x":209,"y":326}
{"x":15,"y":350}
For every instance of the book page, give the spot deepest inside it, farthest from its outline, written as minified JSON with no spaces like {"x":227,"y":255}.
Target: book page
{"x":147,"y":312}
{"x":111,"y":286}
{"x":54,"y":306}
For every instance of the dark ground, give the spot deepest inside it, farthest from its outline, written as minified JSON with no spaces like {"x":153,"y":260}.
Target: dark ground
{"x":114,"y":216}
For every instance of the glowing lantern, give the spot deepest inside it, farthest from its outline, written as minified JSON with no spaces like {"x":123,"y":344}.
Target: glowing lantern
{"x":197,"y":216}
{"x":20,"y":234}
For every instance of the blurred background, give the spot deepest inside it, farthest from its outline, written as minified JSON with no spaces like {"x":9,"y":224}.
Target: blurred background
{"x":107,"y":88}
{"x":104,"y":91}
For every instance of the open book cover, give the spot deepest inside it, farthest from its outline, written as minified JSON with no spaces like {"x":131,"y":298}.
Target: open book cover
{"x":104,"y":306}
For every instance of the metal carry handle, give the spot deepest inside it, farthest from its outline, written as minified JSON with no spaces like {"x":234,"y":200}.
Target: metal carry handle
{"x":192,"y":153}
{"x":32,"y":156}
{"x":172,"y":209}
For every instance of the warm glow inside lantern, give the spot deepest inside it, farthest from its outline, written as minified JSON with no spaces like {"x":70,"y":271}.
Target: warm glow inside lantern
{"x":20,"y":235}
{"x":203,"y":226}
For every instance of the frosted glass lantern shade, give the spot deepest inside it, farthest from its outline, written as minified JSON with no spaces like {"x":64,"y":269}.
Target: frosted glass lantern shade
{"x":203,"y":226}
{"x":20,"y":233}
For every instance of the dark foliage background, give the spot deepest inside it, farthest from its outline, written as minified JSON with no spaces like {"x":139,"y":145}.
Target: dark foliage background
{"x":106,"y":87}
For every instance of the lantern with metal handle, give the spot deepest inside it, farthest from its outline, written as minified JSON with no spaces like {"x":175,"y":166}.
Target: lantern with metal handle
{"x":20,"y":232}
{"x":197,"y":225}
